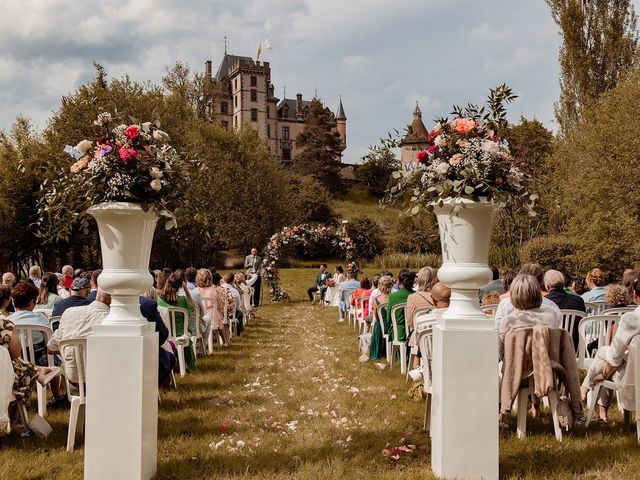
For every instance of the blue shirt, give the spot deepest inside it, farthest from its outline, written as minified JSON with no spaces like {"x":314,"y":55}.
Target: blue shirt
{"x":23,"y":317}
{"x":596,"y":294}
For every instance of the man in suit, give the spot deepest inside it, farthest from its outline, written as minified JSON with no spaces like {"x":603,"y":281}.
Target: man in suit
{"x":253,"y":263}
{"x":554,"y":283}
{"x":320,"y":286}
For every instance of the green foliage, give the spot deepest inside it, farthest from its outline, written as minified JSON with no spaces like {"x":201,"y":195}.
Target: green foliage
{"x":504,"y":257}
{"x":595,"y":174}
{"x":321,"y":148}
{"x":367,"y":236}
{"x":600,"y":44}
{"x":556,"y":252}
{"x":407,"y":260}
{"x":415,"y":234}
{"x":376,"y":169}
{"x":313,"y":202}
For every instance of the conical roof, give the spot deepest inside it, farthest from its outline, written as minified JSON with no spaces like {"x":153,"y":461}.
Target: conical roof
{"x":340,"y":113}
{"x":417,"y":133}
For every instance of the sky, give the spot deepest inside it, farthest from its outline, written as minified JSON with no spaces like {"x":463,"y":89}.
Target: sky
{"x":381,"y":55}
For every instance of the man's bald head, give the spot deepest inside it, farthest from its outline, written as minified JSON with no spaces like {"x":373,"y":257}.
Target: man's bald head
{"x":441,"y":295}
{"x":553,"y":280}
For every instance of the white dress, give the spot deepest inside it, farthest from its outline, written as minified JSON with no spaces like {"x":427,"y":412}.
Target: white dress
{"x":331,"y":295}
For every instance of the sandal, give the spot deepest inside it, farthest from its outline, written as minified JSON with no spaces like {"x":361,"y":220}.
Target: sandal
{"x":603,"y":421}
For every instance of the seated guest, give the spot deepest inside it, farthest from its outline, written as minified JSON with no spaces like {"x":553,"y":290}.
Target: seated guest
{"x":48,"y":292}
{"x":555,"y":284}
{"x":320,"y":286}
{"x":5,"y":300}
{"x":405,"y":282}
{"x":375,"y":292}
{"x":78,"y":322}
{"x":67,"y":272}
{"x":214,"y":309}
{"x":8,"y":279}
{"x":93,"y":280}
{"x":24,"y":297}
{"x":333,"y":284}
{"x":35,"y":275}
{"x":505,"y":307}
{"x":595,"y":281}
{"x":507,"y":277}
{"x":426,"y":278}
{"x":351,"y":284}
{"x":378,"y":347}
{"x":166,"y":359}
{"x":78,"y":273}
{"x":62,"y":292}
{"x":170,"y":297}
{"x":80,"y":288}
{"x":528,"y":307}
{"x":228,"y":284}
{"x":190,"y":273}
{"x":616,"y":295}
{"x":441,"y":295}
{"x":495,"y":286}
{"x":363,"y":291}
{"x":611,"y":361}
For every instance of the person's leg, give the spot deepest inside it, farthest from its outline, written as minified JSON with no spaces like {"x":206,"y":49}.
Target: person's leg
{"x":310,"y":292}
{"x":256,"y":293}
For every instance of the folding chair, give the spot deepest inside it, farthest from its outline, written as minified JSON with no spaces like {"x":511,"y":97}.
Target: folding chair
{"x":78,"y":400}
{"x":26,"y":331}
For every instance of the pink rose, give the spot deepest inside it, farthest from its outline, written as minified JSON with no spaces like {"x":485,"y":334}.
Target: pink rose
{"x":464,"y":125}
{"x":132,"y":132}
{"x":423,"y":157}
{"x":128,"y":154}
{"x":432,"y":148}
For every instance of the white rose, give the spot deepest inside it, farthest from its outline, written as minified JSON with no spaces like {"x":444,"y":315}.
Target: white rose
{"x":440,"y":141}
{"x":490,"y":147}
{"x":156,"y":184}
{"x":160,"y":136}
{"x":83,"y":146}
{"x":443,"y":168}
{"x":156,"y":173}
{"x":103,"y":119}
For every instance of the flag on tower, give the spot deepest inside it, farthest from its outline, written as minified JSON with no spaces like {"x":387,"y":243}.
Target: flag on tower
{"x":267,"y":45}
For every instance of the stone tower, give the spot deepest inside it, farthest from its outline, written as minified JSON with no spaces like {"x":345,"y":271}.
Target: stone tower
{"x":341,"y":123}
{"x":415,"y":140}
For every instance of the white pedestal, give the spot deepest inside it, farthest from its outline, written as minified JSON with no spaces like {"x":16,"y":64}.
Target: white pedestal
{"x":122,"y":403}
{"x":464,"y":423}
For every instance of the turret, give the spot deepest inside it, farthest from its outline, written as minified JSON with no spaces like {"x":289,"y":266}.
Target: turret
{"x":341,"y":123}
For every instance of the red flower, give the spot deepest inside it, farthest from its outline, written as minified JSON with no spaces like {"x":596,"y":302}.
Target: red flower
{"x":432,"y":148}
{"x":128,"y":154}
{"x":132,"y":132}
{"x":423,"y":157}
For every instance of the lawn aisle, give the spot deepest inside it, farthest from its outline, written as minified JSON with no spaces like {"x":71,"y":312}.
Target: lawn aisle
{"x":290,"y":400}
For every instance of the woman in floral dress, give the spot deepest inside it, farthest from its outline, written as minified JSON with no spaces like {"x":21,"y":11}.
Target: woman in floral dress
{"x":25,"y":373}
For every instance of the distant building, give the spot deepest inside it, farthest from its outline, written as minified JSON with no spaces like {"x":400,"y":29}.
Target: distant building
{"x":415,"y":140}
{"x":241,"y":96}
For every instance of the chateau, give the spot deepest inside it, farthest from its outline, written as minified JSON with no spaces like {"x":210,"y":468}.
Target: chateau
{"x":415,"y":139}
{"x":241,"y":95}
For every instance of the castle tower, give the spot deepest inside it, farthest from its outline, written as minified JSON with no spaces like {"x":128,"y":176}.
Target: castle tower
{"x":415,"y":140}
{"x":341,"y":123}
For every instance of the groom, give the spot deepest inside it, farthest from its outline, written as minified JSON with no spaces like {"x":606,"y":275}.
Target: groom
{"x":320,"y":286}
{"x":253,"y":263}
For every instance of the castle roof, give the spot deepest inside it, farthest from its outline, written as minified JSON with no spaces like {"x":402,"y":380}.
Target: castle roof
{"x":417,"y":132}
{"x":229,"y":61}
{"x":291,"y":106}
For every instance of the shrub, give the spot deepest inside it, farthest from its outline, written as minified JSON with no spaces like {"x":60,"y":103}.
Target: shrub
{"x":407,"y":260}
{"x":504,"y":257}
{"x":415,"y":234}
{"x":367,"y":236}
{"x":553,"y":252}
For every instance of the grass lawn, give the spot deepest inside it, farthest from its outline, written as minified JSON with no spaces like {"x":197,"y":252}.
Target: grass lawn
{"x":289,"y":400}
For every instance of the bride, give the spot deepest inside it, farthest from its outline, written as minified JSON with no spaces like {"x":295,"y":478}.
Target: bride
{"x":331,"y":295}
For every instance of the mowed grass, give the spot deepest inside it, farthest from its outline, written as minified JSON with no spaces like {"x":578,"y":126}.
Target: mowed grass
{"x":289,"y":400}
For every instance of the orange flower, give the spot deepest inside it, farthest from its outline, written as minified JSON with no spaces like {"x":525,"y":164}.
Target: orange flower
{"x":464,"y":125}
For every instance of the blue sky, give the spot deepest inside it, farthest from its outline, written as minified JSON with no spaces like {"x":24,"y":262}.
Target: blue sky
{"x":380,"y":55}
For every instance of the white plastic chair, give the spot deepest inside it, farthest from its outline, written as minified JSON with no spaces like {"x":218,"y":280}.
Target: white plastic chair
{"x":601,"y":328}
{"x":208,"y":303}
{"x":78,"y":401}
{"x":198,"y":340}
{"x":230,"y":317}
{"x":618,"y":311}
{"x":424,"y":333}
{"x":419,"y":313}
{"x":26,"y":331}
{"x":522,"y":400}
{"x":489,"y":310}
{"x":396,"y":344}
{"x":569,"y":318}
{"x":47,"y":311}
{"x":173,"y":334}
{"x":345,"y":296}
{"x":387,"y":342}
{"x":54,"y":320}
{"x":359,"y":305}
{"x":596,"y":308}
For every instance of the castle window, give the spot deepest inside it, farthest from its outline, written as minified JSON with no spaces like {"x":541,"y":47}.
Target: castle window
{"x":235,"y":84}
{"x":254,"y":114}
{"x":224,"y":107}
{"x":286,"y":154}
{"x":254,"y":81}
{"x":254,"y":95}
{"x":235,"y":121}
{"x":285,"y":133}
{"x":235,"y":101}
{"x":285,"y":111}
{"x":225,"y":125}
{"x":268,"y":112}
{"x":268,"y":131}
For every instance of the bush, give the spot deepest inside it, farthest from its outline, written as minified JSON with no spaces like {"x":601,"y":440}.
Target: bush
{"x":553,"y":252}
{"x":310,"y":201}
{"x":407,"y":260}
{"x":367,"y":236}
{"x":415,"y":234}
{"x":504,"y":257}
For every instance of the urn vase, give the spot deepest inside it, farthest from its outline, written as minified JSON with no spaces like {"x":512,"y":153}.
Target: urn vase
{"x":126,"y":234}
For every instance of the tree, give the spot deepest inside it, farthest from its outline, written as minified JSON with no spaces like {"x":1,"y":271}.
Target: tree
{"x":595,"y":172}
{"x":367,"y":236}
{"x":376,"y":169}
{"x":313,"y":202}
{"x":321,"y":147}
{"x":600,"y":44}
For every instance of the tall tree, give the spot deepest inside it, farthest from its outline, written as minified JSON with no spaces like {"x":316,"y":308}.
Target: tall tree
{"x":376,"y":169}
{"x":600,"y":44}
{"x":321,"y":147}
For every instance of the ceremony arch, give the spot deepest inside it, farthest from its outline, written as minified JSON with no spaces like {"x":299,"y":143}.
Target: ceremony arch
{"x":304,"y":234}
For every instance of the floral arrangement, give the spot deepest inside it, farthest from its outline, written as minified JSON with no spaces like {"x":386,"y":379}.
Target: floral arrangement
{"x":304,"y":234}
{"x":132,"y":162}
{"x":469,"y":157}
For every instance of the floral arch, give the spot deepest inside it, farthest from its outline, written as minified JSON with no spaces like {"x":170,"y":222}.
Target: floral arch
{"x":304,"y":234}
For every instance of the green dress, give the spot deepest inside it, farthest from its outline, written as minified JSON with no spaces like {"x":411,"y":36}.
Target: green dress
{"x":183,"y":303}
{"x":396,"y":298}
{"x":378,"y":346}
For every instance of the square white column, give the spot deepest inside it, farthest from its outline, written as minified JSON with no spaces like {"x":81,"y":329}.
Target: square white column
{"x":464,"y":422}
{"x":122,"y":403}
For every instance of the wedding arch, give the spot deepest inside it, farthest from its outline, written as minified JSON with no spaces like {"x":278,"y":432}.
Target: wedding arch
{"x":304,"y":234}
